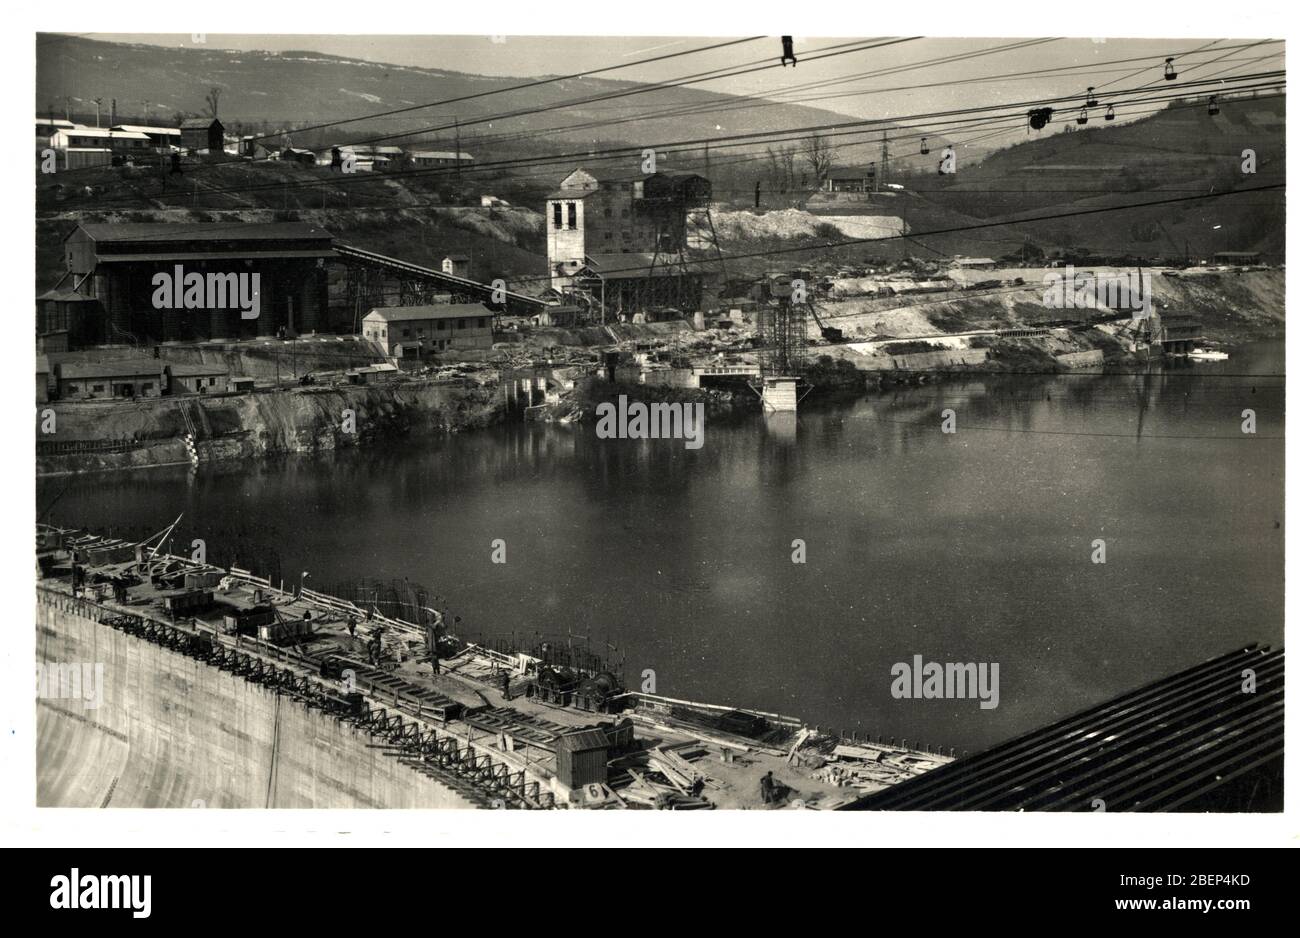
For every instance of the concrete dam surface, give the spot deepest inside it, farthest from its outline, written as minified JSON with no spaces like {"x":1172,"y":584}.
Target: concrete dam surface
{"x":171,"y":732}
{"x":167,"y":682}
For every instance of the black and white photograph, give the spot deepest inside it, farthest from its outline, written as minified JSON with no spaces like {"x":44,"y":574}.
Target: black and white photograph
{"x":638,"y":415}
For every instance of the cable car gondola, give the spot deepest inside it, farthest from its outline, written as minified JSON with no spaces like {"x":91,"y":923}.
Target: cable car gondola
{"x":924,"y":147}
{"x":1092,"y":98}
{"x":1214,"y":104}
{"x":1083,"y":116}
{"x":1170,"y":74}
{"x":1110,"y":113}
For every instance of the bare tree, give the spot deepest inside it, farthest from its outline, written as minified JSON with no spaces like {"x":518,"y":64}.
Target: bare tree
{"x":788,"y":156}
{"x":820,"y":157}
{"x":774,"y":167}
{"x":213,"y":98}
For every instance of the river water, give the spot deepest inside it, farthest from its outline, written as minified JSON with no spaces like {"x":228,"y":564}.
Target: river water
{"x":975,"y":546}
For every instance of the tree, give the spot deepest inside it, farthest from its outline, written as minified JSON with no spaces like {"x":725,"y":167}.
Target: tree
{"x":788,"y":156}
{"x":213,"y":98}
{"x":774,"y":167}
{"x":820,"y":157}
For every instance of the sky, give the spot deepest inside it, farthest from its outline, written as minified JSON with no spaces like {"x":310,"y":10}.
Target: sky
{"x":868,"y":96}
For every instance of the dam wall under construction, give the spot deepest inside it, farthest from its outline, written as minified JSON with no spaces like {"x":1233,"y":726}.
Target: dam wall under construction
{"x":162,"y":729}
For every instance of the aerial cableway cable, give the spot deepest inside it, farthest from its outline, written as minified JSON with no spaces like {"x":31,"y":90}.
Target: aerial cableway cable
{"x":1260,"y":81}
{"x":589,"y":156}
{"x":520,"y":87}
{"x":640,"y":88}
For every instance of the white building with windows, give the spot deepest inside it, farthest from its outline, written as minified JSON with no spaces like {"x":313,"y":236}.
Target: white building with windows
{"x":411,"y":331}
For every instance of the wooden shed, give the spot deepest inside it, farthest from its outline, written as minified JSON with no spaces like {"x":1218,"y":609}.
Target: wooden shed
{"x":582,"y":758}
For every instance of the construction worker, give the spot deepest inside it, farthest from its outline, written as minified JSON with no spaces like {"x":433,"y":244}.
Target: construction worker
{"x":765,"y":785}
{"x":505,"y":684}
{"x":431,"y":644}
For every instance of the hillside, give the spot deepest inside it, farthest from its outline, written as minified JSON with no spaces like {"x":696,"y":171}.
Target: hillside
{"x":423,"y":215}
{"x":1180,"y":151}
{"x":265,"y":92}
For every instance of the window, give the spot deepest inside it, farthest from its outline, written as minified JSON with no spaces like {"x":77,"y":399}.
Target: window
{"x":622,"y":213}
{"x":442,"y":325}
{"x":460,"y":324}
{"x":482,"y":322}
{"x":97,"y":388}
{"x":608,"y":211}
{"x":147,"y":386}
{"x":573,"y":215}
{"x":557,"y":214}
{"x":406,"y":333}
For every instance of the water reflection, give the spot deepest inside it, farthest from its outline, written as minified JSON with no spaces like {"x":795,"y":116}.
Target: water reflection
{"x":971,"y":546}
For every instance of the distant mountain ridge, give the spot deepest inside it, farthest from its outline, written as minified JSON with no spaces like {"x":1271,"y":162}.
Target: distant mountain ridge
{"x":279,"y":88}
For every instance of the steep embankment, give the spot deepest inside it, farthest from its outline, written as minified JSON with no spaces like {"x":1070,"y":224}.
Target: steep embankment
{"x":255,"y":424}
{"x":173,"y":732}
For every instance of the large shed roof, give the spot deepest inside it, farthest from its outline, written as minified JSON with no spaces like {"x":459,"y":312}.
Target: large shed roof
{"x":432,"y":311}
{"x":1193,"y":741}
{"x":122,"y":368}
{"x":164,"y":232}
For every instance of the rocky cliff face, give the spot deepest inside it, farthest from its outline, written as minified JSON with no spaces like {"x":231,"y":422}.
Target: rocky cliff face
{"x":256,"y":424}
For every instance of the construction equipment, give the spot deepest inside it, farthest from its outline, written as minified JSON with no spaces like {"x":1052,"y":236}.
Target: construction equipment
{"x":829,"y":333}
{"x":593,"y":693}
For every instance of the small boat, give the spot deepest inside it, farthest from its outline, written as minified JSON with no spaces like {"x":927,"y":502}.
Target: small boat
{"x":1207,"y":355}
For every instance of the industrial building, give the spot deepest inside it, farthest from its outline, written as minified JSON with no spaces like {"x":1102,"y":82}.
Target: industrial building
{"x":108,"y":292}
{"x":624,"y":285}
{"x":1179,"y":334}
{"x":120,"y":142}
{"x":160,"y":138}
{"x":412,"y":330}
{"x":123,"y":378}
{"x":624,"y":242}
{"x":196,"y":379}
{"x":425,"y":158}
{"x":47,"y":127}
